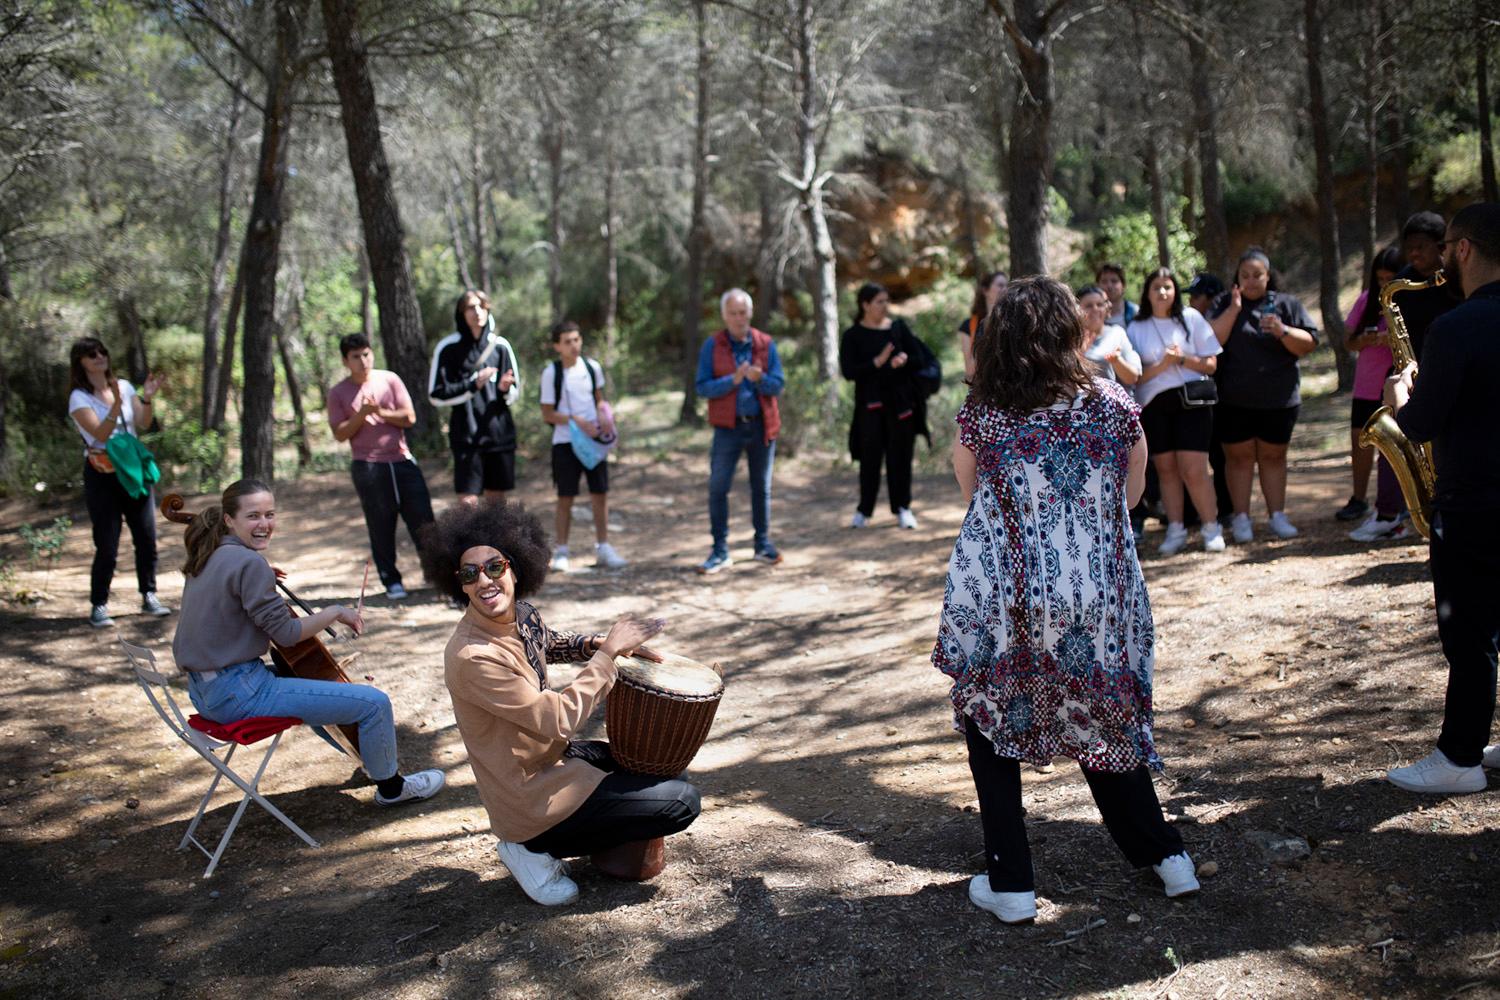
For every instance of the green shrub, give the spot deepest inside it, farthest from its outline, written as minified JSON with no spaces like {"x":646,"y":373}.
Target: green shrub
{"x":1129,"y":239}
{"x":184,"y":450}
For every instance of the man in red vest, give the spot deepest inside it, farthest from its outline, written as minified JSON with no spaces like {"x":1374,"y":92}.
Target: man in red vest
{"x":739,"y":373}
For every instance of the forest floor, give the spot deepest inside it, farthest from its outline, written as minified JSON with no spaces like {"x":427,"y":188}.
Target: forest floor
{"x":839,"y":828}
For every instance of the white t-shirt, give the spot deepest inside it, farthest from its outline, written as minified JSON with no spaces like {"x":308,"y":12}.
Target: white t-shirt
{"x":1152,"y":337}
{"x":578,"y":394}
{"x":1111,"y":339}
{"x":80,"y":400}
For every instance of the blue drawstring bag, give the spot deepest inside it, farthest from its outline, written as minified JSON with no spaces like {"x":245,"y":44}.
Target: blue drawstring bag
{"x":588,"y":451}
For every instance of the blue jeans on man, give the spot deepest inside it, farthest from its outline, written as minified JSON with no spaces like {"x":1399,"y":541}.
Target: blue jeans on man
{"x":748,"y":436}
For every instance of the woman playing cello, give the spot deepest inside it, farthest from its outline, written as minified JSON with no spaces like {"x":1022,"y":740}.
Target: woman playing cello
{"x":231,"y":613}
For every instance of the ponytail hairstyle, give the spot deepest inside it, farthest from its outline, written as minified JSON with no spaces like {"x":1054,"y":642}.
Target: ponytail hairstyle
{"x":1273,"y":276}
{"x":207,"y":527}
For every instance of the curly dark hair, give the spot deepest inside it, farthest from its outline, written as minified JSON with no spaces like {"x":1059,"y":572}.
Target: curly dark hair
{"x":1029,"y":354}
{"x":503,"y":525}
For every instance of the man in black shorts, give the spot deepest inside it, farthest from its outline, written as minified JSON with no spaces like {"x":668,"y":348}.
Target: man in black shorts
{"x":573,"y":393}
{"x":474,"y":374}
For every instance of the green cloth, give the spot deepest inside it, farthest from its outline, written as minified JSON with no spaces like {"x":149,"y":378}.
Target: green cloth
{"x":134,"y":464}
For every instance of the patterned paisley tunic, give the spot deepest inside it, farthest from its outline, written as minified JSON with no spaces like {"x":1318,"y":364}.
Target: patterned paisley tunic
{"x":1046,"y":628}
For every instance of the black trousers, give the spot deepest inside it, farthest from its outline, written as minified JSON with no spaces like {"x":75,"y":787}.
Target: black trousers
{"x":1127,"y":802}
{"x":624,"y":808}
{"x":108,"y":503}
{"x":883,"y":437}
{"x":1465,"y":569}
{"x":385,"y":490}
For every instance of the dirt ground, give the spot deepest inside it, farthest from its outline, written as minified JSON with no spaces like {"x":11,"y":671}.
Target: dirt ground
{"x":839,"y":826}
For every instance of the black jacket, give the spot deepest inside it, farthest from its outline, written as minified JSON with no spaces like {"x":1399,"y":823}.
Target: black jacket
{"x":896,"y":390}
{"x":480,"y":417}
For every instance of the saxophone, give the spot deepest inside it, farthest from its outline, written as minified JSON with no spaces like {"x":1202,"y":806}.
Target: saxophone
{"x":1411,"y":462}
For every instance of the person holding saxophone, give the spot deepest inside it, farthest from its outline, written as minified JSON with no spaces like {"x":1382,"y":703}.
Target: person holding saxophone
{"x":1450,"y":406}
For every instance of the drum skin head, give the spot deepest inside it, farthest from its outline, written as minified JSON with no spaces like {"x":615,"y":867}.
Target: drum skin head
{"x":675,"y":675}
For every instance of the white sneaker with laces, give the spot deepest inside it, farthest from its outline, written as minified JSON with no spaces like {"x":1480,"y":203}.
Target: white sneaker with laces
{"x":1374,"y":529}
{"x":1009,"y":907}
{"x":396,"y":592}
{"x":1435,"y":774}
{"x":1213,"y":537}
{"x":559,"y":562}
{"x":422,"y":785}
{"x":99,"y":616}
{"x":541,"y":876}
{"x":1242,"y":529}
{"x":1281,"y":527}
{"x":606,"y":556}
{"x":1179,"y":876}
{"x":858,"y":520}
{"x":906,"y":518}
{"x":1492,"y":755}
{"x":1175,"y":541}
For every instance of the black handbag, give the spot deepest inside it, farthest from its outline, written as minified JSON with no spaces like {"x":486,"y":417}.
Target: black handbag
{"x":1200,"y":392}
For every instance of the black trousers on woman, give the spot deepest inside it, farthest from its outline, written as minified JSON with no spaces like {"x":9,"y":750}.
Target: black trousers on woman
{"x":108,"y":503}
{"x":1127,"y":802}
{"x":624,"y":808}
{"x":882,"y":436}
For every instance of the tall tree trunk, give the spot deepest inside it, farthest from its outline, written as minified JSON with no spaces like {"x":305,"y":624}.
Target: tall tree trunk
{"x":263,"y":249}
{"x":1029,"y":167}
{"x":1328,"y":221}
{"x":697,"y":236}
{"x":1482,"y":85}
{"x":1190,"y":184}
{"x":401,"y":331}
{"x":1214,"y":237}
{"x":1150,"y":154}
{"x":552,"y":148}
{"x":5,"y":290}
{"x":611,"y":243}
{"x":137,"y":365}
{"x":218,"y":269}
{"x":366,"y":306}
{"x":294,"y":391}
{"x":767,"y":257}
{"x":810,"y":204}
{"x":481,"y":194}
{"x":1395,"y":110}
{"x":455,"y":233}
{"x":968,"y":224}
{"x":1370,"y":234}
{"x":501,"y":258}
{"x":225,"y":375}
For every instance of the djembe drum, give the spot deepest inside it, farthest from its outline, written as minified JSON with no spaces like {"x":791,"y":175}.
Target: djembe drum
{"x":658,"y":716}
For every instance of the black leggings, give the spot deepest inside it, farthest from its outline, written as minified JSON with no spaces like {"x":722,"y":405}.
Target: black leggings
{"x":624,"y":808}
{"x":1127,"y":802}
{"x":894,"y":441}
{"x":107,"y":503}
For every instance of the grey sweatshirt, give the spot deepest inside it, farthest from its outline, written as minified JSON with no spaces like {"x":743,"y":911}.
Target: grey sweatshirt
{"x":231,"y":611}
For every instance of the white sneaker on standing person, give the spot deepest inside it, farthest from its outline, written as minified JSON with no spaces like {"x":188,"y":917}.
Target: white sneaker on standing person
{"x":572,"y":389}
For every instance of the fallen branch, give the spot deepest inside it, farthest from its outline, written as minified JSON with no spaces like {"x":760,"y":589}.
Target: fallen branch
{"x":424,"y":930}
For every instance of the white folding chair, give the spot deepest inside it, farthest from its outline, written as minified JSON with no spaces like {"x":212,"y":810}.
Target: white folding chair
{"x":208,"y":739}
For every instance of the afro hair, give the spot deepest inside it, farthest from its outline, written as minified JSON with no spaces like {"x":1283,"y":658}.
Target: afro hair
{"x":506,"y":526}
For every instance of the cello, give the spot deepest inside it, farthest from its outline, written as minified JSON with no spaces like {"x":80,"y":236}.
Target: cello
{"x":309,"y":659}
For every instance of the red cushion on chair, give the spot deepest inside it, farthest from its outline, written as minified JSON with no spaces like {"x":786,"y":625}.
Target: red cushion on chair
{"x":245,"y":731}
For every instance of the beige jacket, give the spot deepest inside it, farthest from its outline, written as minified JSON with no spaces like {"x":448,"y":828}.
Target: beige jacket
{"x":514,"y":727}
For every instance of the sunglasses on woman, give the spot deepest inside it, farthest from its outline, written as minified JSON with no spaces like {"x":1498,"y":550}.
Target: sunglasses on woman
{"x":97,"y":352}
{"x":494,"y":569}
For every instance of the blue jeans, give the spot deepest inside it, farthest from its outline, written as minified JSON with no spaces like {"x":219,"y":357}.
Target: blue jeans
{"x":247,"y":690}
{"x":724,"y":456}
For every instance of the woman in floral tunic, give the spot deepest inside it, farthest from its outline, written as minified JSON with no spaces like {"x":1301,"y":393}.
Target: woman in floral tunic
{"x":1046,"y":628}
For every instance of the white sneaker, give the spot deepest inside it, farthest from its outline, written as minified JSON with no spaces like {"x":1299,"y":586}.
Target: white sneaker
{"x":396,"y":592}
{"x":1492,"y":755}
{"x":559,"y":562}
{"x":1374,"y":529}
{"x":858,"y":520}
{"x":1213,"y":537}
{"x":1178,"y":875}
{"x":1175,"y":541}
{"x":606,"y":556}
{"x":1437,"y":775}
{"x":1281,"y":527}
{"x":422,"y":785}
{"x":99,"y":616}
{"x":541,"y":876}
{"x":1242,"y":529}
{"x":1009,"y":907}
{"x":906,"y":518}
